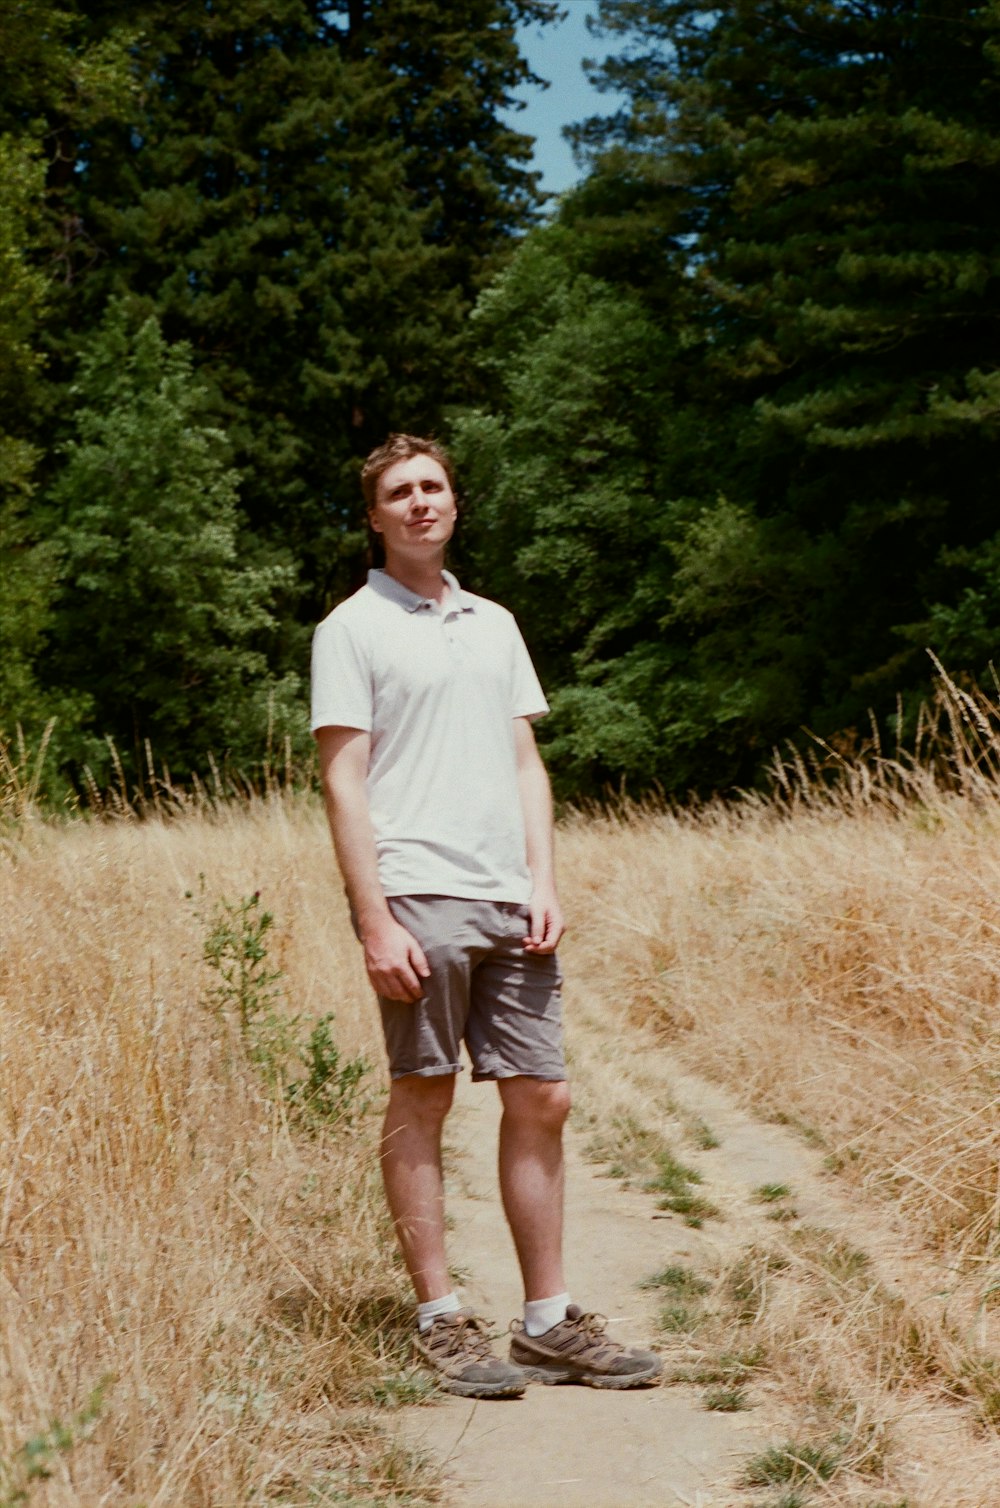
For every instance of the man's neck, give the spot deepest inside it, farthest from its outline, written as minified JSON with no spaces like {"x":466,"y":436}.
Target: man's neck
{"x":422,"y":577}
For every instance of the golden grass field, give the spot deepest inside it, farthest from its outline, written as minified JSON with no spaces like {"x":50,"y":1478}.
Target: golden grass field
{"x":164,"y":1228}
{"x":198,"y":1298}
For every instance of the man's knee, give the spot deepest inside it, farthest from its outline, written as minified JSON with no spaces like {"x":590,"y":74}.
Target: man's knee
{"x":539,"y":1103}
{"x":423,"y":1100}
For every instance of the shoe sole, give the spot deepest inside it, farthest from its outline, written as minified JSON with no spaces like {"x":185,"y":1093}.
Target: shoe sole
{"x":553,"y":1375}
{"x":480,"y":1389}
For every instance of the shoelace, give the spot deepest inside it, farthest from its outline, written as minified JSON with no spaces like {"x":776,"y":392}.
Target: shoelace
{"x":594,"y":1326}
{"x":471,"y":1333}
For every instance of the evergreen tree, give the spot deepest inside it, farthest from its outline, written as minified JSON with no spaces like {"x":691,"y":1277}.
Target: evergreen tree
{"x":566,"y":477}
{"x":27,"y":565}
{"x":311,"y":195}
{"x":162,"y":618}
{"x":840,"y":171}
{"x":46,"y":75}
{"x":808,"y":197}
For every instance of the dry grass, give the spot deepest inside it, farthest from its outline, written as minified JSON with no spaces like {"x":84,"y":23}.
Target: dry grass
{"x":841,"y":969}
{"x":166,"y":1233}
{"x":832,"y":955}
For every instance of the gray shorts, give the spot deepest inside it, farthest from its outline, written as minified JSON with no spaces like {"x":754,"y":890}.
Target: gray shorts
{"x":483,"y":988}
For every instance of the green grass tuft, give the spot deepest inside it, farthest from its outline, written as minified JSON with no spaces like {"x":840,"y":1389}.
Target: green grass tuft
{"x":771,"y":1193}
{"x":675,"y":1181}
{"x":792,"y":1462}
{"x":679,"y":1280}
{"x":726,"y":1400}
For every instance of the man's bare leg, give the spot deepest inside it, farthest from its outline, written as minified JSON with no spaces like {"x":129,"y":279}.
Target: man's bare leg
{"x":411,"y":1170}
{"x":531,"y":1178}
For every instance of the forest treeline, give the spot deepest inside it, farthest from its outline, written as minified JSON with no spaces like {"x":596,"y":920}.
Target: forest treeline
{"x":726,"y":415}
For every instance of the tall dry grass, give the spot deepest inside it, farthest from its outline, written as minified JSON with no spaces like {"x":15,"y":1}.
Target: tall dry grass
{"x":830,"y":955}
{"x":833,"y":954}
{"x":168,"y":1237}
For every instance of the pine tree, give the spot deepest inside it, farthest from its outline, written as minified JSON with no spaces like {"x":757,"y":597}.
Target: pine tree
{"x":310,"y":194}
{"x":834,"y":170}
{"x":162,"y":620}
{"x":50,"y":80}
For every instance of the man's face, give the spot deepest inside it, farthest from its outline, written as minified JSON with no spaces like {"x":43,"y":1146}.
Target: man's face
{"x":414,"y":508}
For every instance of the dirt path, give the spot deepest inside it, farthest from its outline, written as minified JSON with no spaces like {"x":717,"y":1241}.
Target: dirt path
{"x":571,"y":1447}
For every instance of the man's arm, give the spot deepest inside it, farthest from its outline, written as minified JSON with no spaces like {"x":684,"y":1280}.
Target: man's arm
{"x":536,"y":805}
{"x":394,"y":959}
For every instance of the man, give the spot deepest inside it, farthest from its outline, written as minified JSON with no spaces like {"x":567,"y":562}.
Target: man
{"x":441,"y":815}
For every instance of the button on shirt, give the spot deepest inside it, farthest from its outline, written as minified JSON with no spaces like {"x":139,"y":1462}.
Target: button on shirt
{"x":437,"y":688}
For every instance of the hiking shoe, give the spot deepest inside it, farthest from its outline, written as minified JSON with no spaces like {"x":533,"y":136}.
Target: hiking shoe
{"x":577,"y":1350}
{"x":457,"y":1349}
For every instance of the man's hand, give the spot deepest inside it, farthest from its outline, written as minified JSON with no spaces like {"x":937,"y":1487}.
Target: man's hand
{"x":395,"y":962}
{"x":545,"y":923}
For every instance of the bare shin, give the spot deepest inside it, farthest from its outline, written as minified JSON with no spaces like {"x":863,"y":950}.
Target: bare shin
{"x":411,"y":1171}
{"x":532,"y":1178}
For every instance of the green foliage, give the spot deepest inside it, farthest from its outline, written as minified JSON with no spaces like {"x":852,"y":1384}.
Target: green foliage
{"x":561,"y":523}
{"x":310,"y":194}
{"x":683,"y":1290}
{"x":304,"y":200}
{"x":29,"y":564}
{"x":33,"y":1461}
{"x":793,"y":231}
{"x":770,"y":1193}
{"x":728,"y":424}
{"x":235,"y":948}
{"x":330,"y":1092}
{"x":678,"y":1280}
{"x":161,"y":629}
{"x":722,"y":1400}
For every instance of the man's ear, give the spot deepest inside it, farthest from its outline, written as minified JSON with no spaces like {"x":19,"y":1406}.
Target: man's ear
{"x":375,"y":527}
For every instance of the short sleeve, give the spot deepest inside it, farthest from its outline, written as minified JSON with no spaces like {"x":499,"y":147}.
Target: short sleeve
{"x":527,"y":697}
{"x":341,"y":679}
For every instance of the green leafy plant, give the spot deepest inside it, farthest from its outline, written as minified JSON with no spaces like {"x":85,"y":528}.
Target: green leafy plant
{"x":331,"y":1090}
{"x":236,"y":948}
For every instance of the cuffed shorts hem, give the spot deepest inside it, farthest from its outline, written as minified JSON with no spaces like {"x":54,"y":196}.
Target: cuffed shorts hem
{"x":493,"y":1076}
{"x":435,"y":1071}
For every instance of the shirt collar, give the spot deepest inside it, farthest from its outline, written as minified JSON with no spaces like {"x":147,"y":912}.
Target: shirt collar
{"x":387,"y":586}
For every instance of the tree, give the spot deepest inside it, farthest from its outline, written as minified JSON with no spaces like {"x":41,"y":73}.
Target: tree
{"x":567,"y":519}
{"x":162,"y":619}
{"x":310,"y":194}
{"x":28,"y":565}
{"x":42,"y":71}
{"x":809,"y":197}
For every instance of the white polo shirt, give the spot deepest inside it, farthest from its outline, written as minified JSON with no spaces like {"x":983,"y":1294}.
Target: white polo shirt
{"x":438,"y":689}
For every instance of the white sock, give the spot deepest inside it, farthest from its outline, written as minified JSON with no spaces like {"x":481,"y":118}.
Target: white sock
{"x":428,"y":1313}
{"x":541,"y":1314}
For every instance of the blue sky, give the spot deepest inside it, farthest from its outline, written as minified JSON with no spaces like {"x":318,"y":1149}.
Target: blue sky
{"x":556,"y":53}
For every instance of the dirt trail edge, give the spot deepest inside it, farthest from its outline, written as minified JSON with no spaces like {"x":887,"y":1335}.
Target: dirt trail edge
{"x":573,"y":1447}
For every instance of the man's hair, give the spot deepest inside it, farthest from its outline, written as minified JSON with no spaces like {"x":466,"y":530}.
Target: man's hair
{"x":401,"y":448}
